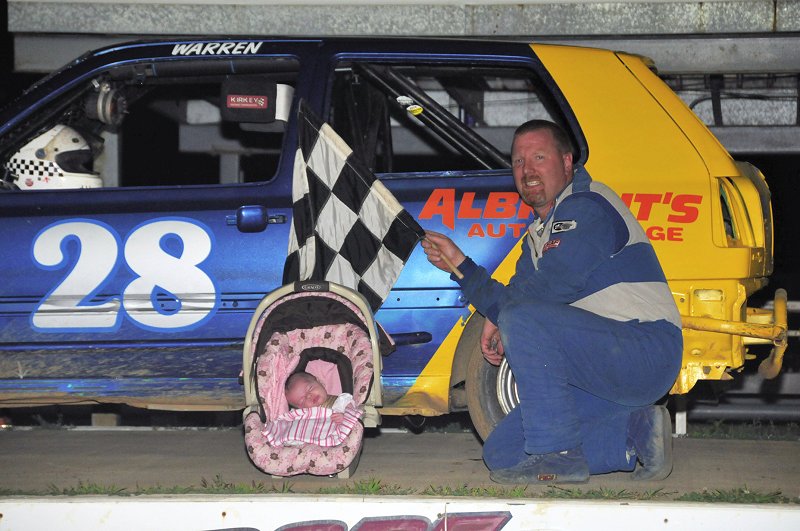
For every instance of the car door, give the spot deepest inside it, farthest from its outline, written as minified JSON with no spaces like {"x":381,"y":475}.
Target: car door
{"x":436,"y":127}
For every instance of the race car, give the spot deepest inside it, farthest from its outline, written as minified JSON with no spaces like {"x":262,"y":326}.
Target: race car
{"x":147,"y":202}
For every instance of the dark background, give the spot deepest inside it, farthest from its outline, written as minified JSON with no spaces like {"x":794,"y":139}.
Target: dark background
{"x":10,"y":84}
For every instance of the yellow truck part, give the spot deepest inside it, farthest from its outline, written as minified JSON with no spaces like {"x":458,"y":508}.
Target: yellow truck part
{"x":715,"y":262}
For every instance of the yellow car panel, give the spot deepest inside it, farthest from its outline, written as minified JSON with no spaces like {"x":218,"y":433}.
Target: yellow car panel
{"x":712,"y":260}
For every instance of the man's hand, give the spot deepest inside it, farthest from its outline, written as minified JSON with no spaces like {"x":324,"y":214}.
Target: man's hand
{"x":491,"y":344}
{"x":437,"y":246}
{"x":337,"y":418}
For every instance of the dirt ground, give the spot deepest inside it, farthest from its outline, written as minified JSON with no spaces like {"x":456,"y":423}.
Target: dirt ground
{"x":138,"y":458}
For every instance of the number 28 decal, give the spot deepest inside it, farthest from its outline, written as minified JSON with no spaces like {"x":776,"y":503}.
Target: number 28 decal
{"x":168,"y":290}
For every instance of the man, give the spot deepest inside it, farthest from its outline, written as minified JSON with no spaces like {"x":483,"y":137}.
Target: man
{"x":587,"y":324}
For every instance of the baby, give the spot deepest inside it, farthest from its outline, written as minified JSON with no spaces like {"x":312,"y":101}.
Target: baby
{"x":316,"y":417}
{"x":303,"y":390}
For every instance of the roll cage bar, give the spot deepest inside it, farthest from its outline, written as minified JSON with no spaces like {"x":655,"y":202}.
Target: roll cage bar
{"x":399,"y":88}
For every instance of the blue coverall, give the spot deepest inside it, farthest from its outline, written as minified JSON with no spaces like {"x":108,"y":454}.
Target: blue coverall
{"x":589,"y":327}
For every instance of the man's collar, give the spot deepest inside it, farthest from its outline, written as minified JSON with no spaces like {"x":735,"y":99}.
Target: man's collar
{"x":580,"y":178}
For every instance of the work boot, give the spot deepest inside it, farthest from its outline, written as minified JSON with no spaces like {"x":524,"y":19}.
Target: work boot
{"x":650,"y":440}
{"x":558,"y":467}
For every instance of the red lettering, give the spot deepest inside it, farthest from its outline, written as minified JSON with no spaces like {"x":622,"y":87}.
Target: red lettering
{"x":466,"y":210}
{"x":501,"y":205}
{"x":501,"y":230}
{"x":476,"y":231}
{"x":498,"y":230}
{"x":684,"y":206}
{"x":673,"y":234}
{"x":655,"y":233}
{"x":646,"y":202}
{"x":517,"y":229}
{"x":525,"y":211}
{"x":488,"y":521}
{"x":684,"y":212}
{"x":442,"y":202}
{"x":315,"y":526}
{"x":392,"y":523}
{"x":627,"y":199}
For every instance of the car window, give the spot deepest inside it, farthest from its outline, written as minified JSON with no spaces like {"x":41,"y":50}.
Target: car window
{"x":436,"y":117}
{"x":176,"y":123}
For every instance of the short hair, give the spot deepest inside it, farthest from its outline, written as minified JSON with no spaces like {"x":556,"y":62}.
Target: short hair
{"x":299,"y":375}
{"x":563,"y":142}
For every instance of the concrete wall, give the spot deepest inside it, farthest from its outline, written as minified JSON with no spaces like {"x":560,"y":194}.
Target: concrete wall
{"x":689,"y":36}
{"x":686,"y":37}
{"x":384,"y":17}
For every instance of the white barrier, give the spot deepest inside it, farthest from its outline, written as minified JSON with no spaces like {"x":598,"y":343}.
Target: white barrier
{"x":373,"y":513}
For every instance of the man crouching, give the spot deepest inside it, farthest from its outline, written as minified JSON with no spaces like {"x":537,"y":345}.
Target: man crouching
{"x":587,"y":324}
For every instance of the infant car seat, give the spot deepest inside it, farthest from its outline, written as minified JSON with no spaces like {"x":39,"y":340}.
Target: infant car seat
{"x":327,"y":330}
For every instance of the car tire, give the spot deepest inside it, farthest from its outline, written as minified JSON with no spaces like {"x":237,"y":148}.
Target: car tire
{"x":491,"y":392}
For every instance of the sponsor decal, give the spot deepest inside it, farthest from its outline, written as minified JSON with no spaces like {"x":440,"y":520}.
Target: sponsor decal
{"x":682,"y":209}
{"x":485,"y":521}
{"x":552,"y":244}
{"x":564,"y":226}
{"x":216,"y":48}
{"x":243,"y":101}
{"x":681,"y":205}
{"x":504,"y":214}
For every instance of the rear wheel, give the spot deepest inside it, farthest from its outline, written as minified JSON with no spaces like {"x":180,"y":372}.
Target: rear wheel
{"x":491,"y":392}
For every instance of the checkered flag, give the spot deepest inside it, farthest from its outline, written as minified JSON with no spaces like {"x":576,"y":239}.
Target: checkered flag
{"x":347,"y":227}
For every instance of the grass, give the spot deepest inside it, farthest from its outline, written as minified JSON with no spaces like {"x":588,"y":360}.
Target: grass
{"x":84,"y":489}
{"x":476,"y":492}
{"x":218,"y":486}
{"x":604,"y":494}
{"x":752,"y":430}
{"x":375,"y":487}
{"x":738,"y":495}
{"x":214,"y":486}
{"x":371,"y":486}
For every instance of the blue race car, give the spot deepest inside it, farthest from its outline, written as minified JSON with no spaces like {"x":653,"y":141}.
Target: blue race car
{"x":147,"y":192}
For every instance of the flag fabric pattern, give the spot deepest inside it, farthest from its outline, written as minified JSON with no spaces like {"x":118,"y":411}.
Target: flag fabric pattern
{"x":347,"y":227}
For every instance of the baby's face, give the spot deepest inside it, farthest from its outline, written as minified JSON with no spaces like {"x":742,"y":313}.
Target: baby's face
{"x":306,"y":392}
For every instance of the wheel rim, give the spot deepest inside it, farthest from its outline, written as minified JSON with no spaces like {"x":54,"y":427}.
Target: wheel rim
{"x":507,"y":395}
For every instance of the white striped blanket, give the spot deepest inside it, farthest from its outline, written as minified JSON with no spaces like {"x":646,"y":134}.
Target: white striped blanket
{"x":314,"y":425}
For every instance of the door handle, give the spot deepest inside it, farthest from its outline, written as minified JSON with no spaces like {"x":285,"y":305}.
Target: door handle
{"x":253,"y":218}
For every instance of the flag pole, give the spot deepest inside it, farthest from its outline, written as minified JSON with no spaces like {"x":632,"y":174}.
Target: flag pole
{"x":453,"y":269}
